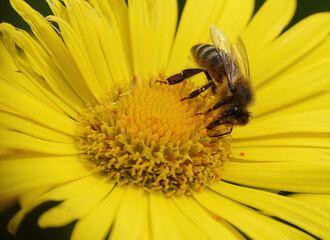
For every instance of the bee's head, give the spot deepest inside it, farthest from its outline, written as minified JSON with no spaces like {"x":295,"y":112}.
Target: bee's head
{"x":236,"y":115}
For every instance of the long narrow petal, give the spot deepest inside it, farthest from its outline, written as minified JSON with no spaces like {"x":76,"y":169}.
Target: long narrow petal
{"x":25,"y":199}
{"x":25,"y":173}
{"x":41,"y":64}
{"x":98,"y":222}
{"x":195,"y":16}
{"x":280,"y":154}
{"x":55,"y":47}
{"x":189,"y":229}
{"x":31,"y":107}
{"x":102,"y":59}
{"x":235,"y":15}
{"x":267,"y":24}
{"x":252,"y":223}
{"x":78,"y":52}
{"x":59,"y":193}
{"x":300,"y":214}
{"x":78,"y":205}
{"x":308,"y":82}
{"x":152,"y":28}
{"x":24,"y":125}
{"x":318,"y":200}
{"x":16,"y":140}
{"x":318,"y":54}
{"x":290,"y":47}
{"x":134,"y":203}
{"x":316,"y":121}
{"x":117,"y":13}
{"x":214,"y":229}
{"x":15,"y":69}
{"x":105,"y":213}
{"x":160,"y":216}
{"x":306,"y":140}
{"x":312,"y":177}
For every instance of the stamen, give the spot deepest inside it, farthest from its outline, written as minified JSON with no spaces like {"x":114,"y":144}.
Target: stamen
{"x":152,"y":139}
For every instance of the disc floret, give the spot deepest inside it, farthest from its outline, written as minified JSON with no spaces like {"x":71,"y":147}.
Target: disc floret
{"x":154,"y":140}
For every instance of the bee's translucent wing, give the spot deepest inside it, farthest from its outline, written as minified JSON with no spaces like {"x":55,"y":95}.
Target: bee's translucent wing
{"x":226,"y":53}
{"x":220,"y":40}
{"x":241,"y":57}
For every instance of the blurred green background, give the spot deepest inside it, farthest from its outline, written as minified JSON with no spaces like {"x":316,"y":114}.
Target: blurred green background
{"x":304,"y":8}
{"x":28,"y":230}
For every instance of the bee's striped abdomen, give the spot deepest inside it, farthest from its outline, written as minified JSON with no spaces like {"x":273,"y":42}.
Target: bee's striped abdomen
{"x":206,"y":56}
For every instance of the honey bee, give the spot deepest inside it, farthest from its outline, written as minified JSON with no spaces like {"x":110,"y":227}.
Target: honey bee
{"x":226,"y":67}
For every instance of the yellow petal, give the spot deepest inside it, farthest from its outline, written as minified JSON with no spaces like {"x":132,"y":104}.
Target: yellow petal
{"x":234,"y":17}
{"x":152,"y":28}
{"x":321,"y":201}
{"x":78,"y":205}
{"x":99,"y":41}
{"x":114,"y":40}
{"x":24,"y":125}
{"x":250,"y":222}
{"x":316,"y":121}
{"x":98,"y":222}
{"x":31,"y":107}
{"x":33,"y":57}
{"x":194,"y":28}
{"x":290,"y":47}
{"x":307,"y":82}
{"x":286,"y":140}
{"x":160,"y":216}
{"x":280,"y":154}
{"x":212,"y":228}
{"x":58,"y":9}
{"x":16,"y":140}
{"x":25,"y":199}
{"x":27,"y":79}
{"x":267,"y":24}
{"x":189,"y":230}
{"x":310,"y":177}
{"x":55,"y":47}
{"x":19,"y":174}
{"x":321,"y":52}
{"x":134,"y":203}
{"x":318,"y":101}
{"x":117,"y":13}
{"x":80,"y":55}
{"x":36,"y":197}
{"x":300,"y":214}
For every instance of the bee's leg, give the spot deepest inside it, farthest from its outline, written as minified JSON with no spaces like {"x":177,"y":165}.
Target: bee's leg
{"x":217,"y":123}
{"x":199,"y":91}
{"x":187,"y":73}
{"x":222,"y":134}
{"x":215,"y":106}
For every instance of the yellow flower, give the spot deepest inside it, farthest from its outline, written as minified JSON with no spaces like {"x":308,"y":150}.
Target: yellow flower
{"x":85,"y":122}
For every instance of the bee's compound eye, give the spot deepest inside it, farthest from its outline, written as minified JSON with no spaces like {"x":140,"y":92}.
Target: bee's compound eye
{"x":233,"y":110}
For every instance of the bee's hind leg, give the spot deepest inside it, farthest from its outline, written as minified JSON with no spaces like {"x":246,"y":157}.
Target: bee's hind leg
{"x":187,"y":73}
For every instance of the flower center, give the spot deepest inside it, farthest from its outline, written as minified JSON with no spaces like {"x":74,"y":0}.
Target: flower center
{"x":152,"y":139}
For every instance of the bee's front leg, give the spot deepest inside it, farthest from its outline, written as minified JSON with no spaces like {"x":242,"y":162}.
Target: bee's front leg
{"x":215,"y":106}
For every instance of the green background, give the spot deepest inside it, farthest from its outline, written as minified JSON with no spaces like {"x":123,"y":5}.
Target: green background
{"x":28,"y":230}
{"x":304,"y":8}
